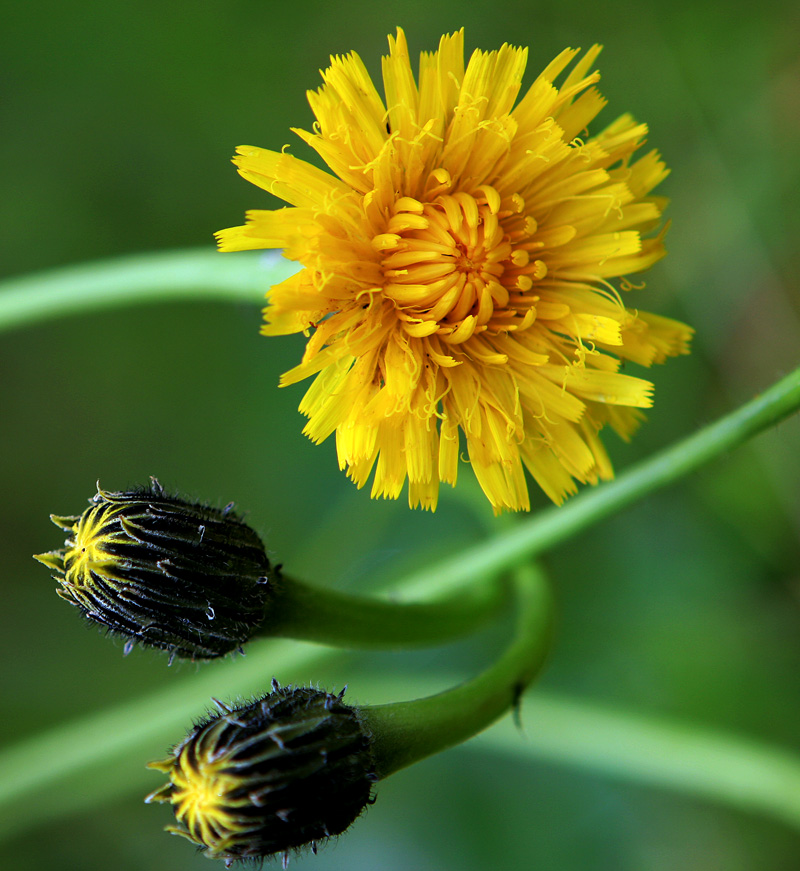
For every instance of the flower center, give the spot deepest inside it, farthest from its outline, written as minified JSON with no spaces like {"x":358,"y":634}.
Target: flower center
{"x":200,"y":797}
{"x":452,"y":267}
{"x":87,"y":553}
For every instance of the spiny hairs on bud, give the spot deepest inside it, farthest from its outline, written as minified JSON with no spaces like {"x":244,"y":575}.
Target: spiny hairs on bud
{"x":288,"y":770}
{"x":164,"y":572}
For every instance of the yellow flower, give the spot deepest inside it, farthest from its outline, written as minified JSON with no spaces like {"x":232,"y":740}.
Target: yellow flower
{"x":456,"y":271}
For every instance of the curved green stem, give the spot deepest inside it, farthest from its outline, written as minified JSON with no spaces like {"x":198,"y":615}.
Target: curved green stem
{"x":193,"y":275}
{"x":556,"y":524}
{"x":639,"y":748}
{"x":405,"y":732}
{"x":311,"y":613}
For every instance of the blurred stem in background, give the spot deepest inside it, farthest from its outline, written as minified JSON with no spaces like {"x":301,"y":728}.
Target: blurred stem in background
{"x":193,"y":275}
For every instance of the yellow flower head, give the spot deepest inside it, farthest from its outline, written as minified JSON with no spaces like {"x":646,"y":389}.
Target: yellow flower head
{"x":456,"y":271}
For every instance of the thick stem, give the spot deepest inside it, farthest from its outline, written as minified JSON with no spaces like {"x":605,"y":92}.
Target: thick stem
{"x":323,"y":616}
{"x":405,"y":732}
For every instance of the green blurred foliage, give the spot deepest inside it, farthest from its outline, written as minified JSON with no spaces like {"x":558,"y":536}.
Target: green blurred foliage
{"x":118,"y":121}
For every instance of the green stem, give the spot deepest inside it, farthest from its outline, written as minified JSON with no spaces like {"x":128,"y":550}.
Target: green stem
{"x":311,"y":613}
{"x":405,"y":732}
{"x":194,"y":275}
{"x":638,"y":748}
{"x":556,"y":524}
{"x":688,"y":759}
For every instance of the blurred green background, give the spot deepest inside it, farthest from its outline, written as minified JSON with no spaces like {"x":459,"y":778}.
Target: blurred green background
{"x":118,"y":121}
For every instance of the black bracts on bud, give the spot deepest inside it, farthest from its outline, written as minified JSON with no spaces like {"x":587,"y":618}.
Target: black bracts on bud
{"x":287,"y":770}
{"x":181,"y":576}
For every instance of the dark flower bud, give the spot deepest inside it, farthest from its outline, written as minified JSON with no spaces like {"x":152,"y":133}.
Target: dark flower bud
{"x":285,"y":771}
{"x":155,"y":569}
